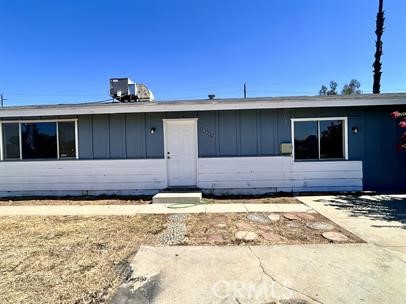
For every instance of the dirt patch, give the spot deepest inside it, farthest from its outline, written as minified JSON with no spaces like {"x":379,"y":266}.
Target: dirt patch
{"x":69,"y":259}
{"x":202,"y":227}
{"x":74,"y":201}
{"x":252,"y":200}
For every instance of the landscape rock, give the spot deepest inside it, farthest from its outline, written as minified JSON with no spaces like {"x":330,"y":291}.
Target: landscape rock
{"x":320,"y":226}
{"x":335,"y":236}
{"x":305,"y":216}
{"x":270,"y":236}
{"x":215,"y":238}
{"x":264,"y":227}
{"x":292,"y":225}
{"x":221,"y":225}
{"x":246,"y":235}
{"x":243,"y":226}
{"x":258,"y":218}
{"x":220,"y":219}
{"x":291,"y":216}
{"x":274,"y":217}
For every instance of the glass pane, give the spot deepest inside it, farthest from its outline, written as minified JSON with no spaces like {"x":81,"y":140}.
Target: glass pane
{"x":66,"y":132}
{"x":331,"y":139}
{"x":11,"y":141}
{"x":38,"y":140}
{"x":306,"y":141}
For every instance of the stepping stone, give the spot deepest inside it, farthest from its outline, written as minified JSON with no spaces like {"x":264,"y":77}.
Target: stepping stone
{"x":320,"y":226}
{"x":243,"y":225}
{"x":246,"y":235}
{"x":258,"y":218}
{"x":270,"y":236}
{"x":312,"y":211}
{"x":335,"y":236}
{"x":305,"y":216}
{"x":274,"y":217}
{"x":215,"y":238}
{"x":291,"y":216}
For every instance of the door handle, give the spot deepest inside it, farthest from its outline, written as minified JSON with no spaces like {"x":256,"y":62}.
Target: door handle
{"x":168,"y":157}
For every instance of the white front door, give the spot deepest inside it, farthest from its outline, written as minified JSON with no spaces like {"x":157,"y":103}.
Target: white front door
{"x":181,"y":151}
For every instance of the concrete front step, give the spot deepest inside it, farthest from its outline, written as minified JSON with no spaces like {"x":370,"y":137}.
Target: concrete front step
{"x":177,"y":197}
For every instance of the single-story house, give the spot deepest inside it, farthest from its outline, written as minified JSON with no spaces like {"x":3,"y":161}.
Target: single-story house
{"x":221,"y":146}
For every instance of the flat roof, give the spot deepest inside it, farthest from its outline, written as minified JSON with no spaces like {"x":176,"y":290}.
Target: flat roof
{"x":206,"y":105}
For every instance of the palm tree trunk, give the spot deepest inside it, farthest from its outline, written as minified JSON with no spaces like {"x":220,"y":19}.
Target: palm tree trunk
{"x":380,"y":19}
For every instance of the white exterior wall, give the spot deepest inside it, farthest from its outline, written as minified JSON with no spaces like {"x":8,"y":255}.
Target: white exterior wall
{"x":234,"y":175}
{"x":82,"y":177}
{"x":256,"y":175}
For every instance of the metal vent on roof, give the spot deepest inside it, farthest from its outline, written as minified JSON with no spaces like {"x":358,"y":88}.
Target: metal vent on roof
{"x":125,"y":90}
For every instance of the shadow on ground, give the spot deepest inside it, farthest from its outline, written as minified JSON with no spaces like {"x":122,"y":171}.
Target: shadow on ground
{"x":379,"y":207}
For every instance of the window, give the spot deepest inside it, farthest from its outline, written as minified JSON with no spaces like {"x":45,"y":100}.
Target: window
{"x":11,"y":141}
{"x":39,"y":140}
{"x":67,"y":144}
{"x":319,"y":139}
{"x":306,"y":141}
{"x":331,"y":139}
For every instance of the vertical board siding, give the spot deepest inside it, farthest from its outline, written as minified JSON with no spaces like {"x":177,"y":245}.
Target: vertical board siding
{"x":228,"y":133}
{"x":85,"y":137}
{"x":206,"y":126}
{"x":135,"y":135}
{"x":267,"y":132}
{"x":101,"y":142}
{"x":117,"y":136}
{"x":248,"y":133}
{"x":154,"y":142}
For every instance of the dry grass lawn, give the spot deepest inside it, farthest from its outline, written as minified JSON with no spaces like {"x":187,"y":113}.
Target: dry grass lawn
{"x":145,"y":200}
{"x":83,"y":259}
{"x":69,"y":259}
{"x":73,"y":201}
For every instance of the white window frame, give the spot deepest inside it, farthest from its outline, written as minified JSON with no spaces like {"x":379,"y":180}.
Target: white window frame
{"x":318,"y":119}
{"x":56,"y":121}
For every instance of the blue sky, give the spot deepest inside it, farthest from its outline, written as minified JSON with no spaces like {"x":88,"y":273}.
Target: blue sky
{"x":65,"y":51}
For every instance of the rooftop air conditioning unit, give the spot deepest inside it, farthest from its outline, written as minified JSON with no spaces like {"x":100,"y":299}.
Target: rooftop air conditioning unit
{"x":125,"y":90}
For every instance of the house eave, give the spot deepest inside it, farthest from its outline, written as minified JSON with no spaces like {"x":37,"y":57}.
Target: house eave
{"x":205,"y":105}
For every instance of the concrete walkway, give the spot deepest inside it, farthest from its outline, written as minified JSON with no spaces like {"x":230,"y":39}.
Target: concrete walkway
{"x":379,"y":219}
{"x":106,"y":210}
{"x":351,"y":273}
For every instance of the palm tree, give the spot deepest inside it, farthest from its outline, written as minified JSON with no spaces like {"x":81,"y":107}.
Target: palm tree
{"x":380,"y":19}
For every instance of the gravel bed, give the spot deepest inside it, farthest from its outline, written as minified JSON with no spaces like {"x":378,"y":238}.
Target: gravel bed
{"x":175,"y":231}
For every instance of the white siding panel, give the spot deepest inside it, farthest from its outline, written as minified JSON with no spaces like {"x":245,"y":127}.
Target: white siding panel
{"x":82,"y":175}
{"x":243,"y":174}
{"x":228,"y":175}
